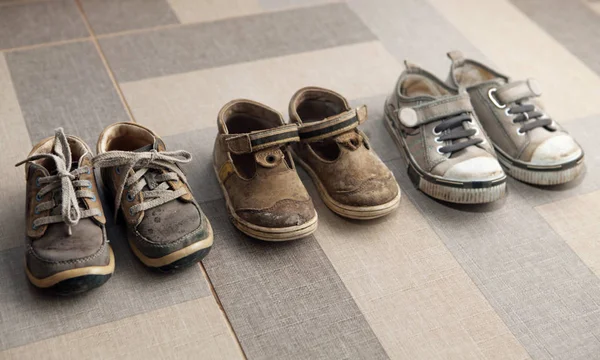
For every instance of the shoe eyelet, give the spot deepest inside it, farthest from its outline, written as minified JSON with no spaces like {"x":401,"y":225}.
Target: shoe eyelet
{"x":520,"y":133}
{"x":89,"y":171}
{"x":496,"y":103}
{"x":435,"y":132}
{"x":89,"y":186}
{"x":93,"y":198}
{"x":37,"y":182}
{"x":507,"y":112}
{"x":437,"y":140}
{"x":131,"y":211}
{"x":118,"y":170}
{"x":34,"y":227}
{"x":37,"y":212}
{"x":38,"y":197}
{"x":438,"y":150}
{"x":270,"y":159}
{"x":130,"y":198}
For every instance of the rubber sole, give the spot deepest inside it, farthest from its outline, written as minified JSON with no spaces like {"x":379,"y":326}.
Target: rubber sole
{"x":179,"y":259}
{"x":352,"y":212}
{"x":75,"y":281}
{"x":541,"y":175}
{"x":265,"y":233}
{"x":459,"y":192}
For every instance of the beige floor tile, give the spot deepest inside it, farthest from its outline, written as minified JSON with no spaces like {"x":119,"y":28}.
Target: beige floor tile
{"x":418,"y":300}
{"x":15,"y":143}
{"x":191,"y":330}
{"x":571,"y":89}
{"x":577,"y":221}
{"x":593,"y":4}
{"x":178,"y":103}
{"x":192,"y":11}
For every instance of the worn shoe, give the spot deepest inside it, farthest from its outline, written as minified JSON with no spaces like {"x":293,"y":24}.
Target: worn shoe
{"x":448,"y":156}
{"x":264,"y":195}
{"x":166,"y":228}
{"x":350,"y":177}
{"x":530,"y":145}
{"x":67,"y":250}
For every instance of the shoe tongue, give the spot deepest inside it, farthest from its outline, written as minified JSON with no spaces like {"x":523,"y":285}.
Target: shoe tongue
{"x":153,"y":146}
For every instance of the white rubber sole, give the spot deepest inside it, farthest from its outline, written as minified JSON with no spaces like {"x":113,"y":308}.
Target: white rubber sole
{"x":265,"y":233}
{"x":448,"y":190}
{"x":539,"y":175}
{"x":352,"y":212}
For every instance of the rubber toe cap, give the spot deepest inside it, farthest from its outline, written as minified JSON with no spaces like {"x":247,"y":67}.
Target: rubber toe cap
{"x":556,"y":150}
{"x":475,"y":169}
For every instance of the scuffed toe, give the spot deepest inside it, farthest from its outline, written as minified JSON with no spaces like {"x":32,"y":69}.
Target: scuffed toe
{"x":284,"y":213}
{"x":372,"y":192}
{"x":556,"y":150}
{"x":481,"y":168}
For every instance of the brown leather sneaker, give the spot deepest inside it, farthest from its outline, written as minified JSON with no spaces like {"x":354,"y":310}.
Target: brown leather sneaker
{"x":67,"y":250}
{"x":350,"y":177}
{"x":264,"y":195}
{"x":165,"y":227}
{"x":531,"y":146}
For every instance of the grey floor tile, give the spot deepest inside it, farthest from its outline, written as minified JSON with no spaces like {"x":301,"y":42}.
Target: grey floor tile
{"x":585,"y":131}
{"x":572,"y":23}
{"x":236,"y":40}
{"x":525,"y":270}
{"x":414,"y":30}
{"x":285,"y":300}
{"x":199,"y":173}
{"x":109,"y":16}
{"x":65,"y":85}
{"x":26,"y":315}
{"x":40,"y":22}
{"x":271,"y":291}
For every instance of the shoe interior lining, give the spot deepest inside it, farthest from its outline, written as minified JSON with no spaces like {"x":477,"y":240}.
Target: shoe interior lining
{"x":470,"y":74}
{"x":417,"y":85}
{"x":125,"y":137}
{"x":78,"y":149}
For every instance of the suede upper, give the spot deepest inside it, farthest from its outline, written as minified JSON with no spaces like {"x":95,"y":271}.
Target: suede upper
{"x":336,"y":151}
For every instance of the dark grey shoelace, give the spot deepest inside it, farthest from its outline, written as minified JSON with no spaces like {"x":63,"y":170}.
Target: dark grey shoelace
{"x":525,"y":112}
{"x":456,"y":131}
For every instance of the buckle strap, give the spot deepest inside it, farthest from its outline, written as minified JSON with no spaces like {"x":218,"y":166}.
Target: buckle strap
{"x":260,"y":139}
{"x":518,"y":90}
{"x":333,"y":125}
{"x":432,"y":111}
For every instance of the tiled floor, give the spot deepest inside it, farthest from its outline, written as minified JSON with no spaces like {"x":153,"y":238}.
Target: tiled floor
{"x":514,"y":280}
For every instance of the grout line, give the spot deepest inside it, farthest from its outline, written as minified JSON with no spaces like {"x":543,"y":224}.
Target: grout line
{"x":41,"y":45}
{"x":220,"y":305}
{"x":111,"y":75}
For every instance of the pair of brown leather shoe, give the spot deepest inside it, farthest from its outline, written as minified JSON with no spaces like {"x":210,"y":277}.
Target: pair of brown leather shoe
{"x":254,"y":166}
{"x":67,"y":249}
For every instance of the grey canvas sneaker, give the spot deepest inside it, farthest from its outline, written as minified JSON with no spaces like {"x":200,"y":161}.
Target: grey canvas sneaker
{"x":530,"y":145}
{"x":448,"y":156}
{"x":67,"y":249}
{"x":165,"y":227}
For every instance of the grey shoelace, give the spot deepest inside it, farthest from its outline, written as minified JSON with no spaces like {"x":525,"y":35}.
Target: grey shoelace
{"x":66,"y":182}
{"x":527,"y":114}
{"x":456,"y":131}
{"x":141,"y":163}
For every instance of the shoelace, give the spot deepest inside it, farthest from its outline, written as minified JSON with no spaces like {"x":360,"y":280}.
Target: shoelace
{"x":455,"y":131}
{"x":141,"y":163}
{"x":66,"y":180}
{"x":525,"y":112}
